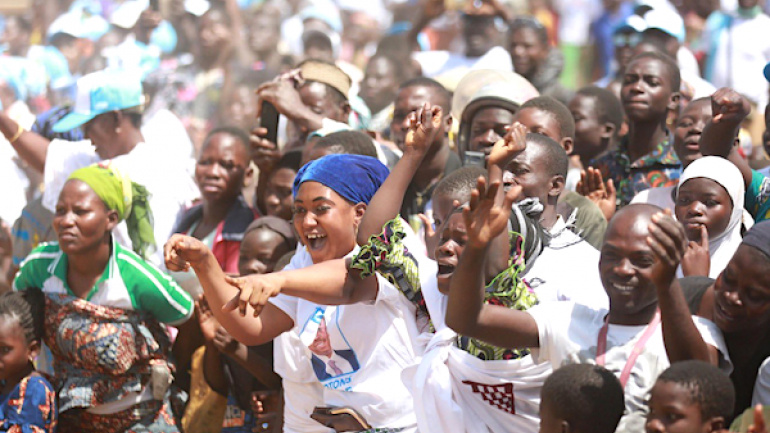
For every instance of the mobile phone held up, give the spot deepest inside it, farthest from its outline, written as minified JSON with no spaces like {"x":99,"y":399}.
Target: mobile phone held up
{"x":155,"y":5}
{"x":269,"y":120}
{"x":475,"y":158}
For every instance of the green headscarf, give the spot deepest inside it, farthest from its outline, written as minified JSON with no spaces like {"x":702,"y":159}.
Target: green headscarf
{"x":129,"y":199}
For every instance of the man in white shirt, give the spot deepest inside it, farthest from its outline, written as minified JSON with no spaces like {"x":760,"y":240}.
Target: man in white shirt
{"x":108,"y":106}
{"x":641,"y":252}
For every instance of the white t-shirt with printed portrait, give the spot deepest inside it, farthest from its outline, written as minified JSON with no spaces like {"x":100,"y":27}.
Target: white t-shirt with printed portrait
{"x":371,"y":344}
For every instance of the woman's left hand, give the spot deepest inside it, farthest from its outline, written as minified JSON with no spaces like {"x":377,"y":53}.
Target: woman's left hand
{"x":255,"y":290}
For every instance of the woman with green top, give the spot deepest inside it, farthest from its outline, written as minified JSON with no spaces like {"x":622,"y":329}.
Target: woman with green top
{"x":105,"y":308}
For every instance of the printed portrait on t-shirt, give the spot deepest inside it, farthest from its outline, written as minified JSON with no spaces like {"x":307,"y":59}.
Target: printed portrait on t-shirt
{"x":331,"y":356}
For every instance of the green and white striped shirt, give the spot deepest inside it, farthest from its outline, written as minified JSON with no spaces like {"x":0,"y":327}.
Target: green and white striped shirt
{"x":128,"y":282}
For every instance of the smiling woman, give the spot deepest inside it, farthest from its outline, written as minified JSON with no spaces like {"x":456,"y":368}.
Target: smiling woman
{"x":100,"y":295}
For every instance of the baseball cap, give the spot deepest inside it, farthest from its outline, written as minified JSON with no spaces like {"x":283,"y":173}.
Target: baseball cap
{"x":101,"y":92}
{"x":329,"y":14}
{"x":79,"y":24}
{"x":633,"y":23}
{"x":667,"y":22}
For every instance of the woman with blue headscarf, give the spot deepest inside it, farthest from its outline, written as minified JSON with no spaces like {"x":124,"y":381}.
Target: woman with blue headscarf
{"x":349,"y":356}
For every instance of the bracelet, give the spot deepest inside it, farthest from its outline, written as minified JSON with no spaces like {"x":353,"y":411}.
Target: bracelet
{"x":16,"y":135}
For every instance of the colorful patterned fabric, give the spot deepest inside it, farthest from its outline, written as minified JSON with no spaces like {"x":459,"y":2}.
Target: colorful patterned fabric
{"x":507,"y":289}
{"x":659,"y":168}
{"x":30,"y":407}
{"x":386,"y":254}
{"x":101,"y":353}
{"x":147,"y":417}
{"x":757,"y":199}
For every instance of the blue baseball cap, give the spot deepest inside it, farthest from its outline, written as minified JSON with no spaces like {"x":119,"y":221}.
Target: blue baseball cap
{"x":101,"y":92}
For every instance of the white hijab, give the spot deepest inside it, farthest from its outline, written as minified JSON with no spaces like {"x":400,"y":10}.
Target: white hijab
{"x":722,"y":246}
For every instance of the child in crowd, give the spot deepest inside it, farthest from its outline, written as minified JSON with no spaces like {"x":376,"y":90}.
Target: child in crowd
{"x":278,"y":185}
{"x":644,"y":158}
{"x":27,"y":399}
{"x":709,"y":204}
{"x":223,"y":215}
{"x":690,"y":397}
{"x":581,"y":398}
{"x":547,"y":116}
{"x":598,"y":120}
{"x":687,"y":134}
{"x":219,"y":221}
{"x":244,"y":375}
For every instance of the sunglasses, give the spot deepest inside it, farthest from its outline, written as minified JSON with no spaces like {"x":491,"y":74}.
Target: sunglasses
{"x":626,"y":39}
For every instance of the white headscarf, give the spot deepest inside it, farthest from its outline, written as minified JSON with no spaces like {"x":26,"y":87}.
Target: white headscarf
{"x":722,"y":246}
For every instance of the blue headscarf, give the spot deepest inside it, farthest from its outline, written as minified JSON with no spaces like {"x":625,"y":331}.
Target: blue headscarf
{"x":354,"y":177}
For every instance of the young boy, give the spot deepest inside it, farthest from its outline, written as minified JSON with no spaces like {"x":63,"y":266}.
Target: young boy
{"x":547,"y":116}
{"x":645,"y":158}
{"x":541,"y":169}
{"x":641,"y":252}
{"x":439,"y":160}
{"x":581,"y":398}
{"x":690,"y":397}
{"x":598,"y":118}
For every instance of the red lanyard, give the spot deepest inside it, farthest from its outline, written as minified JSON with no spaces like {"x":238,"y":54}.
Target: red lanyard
{"x":601,"y":346}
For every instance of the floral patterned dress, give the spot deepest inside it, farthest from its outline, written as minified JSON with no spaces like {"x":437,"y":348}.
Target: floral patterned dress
{"x":103,"y":354}
{"x":30,"y":407}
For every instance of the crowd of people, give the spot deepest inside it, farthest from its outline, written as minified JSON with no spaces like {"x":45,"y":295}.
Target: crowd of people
{"x":384,"y":216}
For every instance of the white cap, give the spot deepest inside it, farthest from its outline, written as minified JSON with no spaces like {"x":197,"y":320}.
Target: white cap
{"x":667,"y":22}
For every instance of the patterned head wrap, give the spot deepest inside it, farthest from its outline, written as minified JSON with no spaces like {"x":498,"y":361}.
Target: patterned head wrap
{"x":355,"y":177}
{"x":130,"y":200}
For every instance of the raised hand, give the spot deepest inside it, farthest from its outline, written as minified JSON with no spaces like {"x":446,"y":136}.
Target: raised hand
{"x":224,"y":342}
{"x":206,"y":319}
{"x":603,"y":194}
{"x":431,"y":235}
{"x":433,"y":8}
{"x":759,"y":421}
{"x":486,"y":216}
{"x":255,"y":290}
{"x":697,"y":259}
{"x":181,"y":252}
{"x":281,"y":92}
{"x":727,"y":105}
{"x":422,"y":126}
{"x":514,"y":142}
{"x":667,"y":240}
{"x":264,"y":152}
